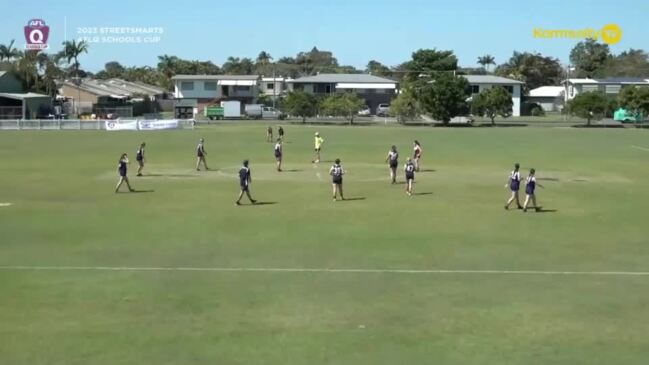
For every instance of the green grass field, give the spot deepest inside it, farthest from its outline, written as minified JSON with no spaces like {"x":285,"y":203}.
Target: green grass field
{"x":64,"y":214}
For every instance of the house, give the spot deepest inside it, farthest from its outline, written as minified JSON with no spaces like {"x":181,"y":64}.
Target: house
{"x":106,"y":96}
{"x":17,"y":104}
{"x":550,"y":98}
{"x":479,"y":83}
{"x":375,"y":90}
{"x":610,"y":86}
{"x":206,"y":89}
{"x":273,"y":87}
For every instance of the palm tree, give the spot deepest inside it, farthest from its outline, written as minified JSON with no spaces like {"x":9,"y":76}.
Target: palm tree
{"x":486,"y":60}
{"x":264,"y":58}
{"x":167,"y":65}
{"x":72,"y":50}
{"x":8,"y":52}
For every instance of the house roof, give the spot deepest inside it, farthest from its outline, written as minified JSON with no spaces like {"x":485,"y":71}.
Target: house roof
{"x":343,"y":78}
{"x":2,"y":73}
{"x":215,"y":77}
{"x":611,"y":80}
{"x":547,"y":91}
{"x":116,"y":88}
{"x":23,"y":96}
{"x":491,"y":79}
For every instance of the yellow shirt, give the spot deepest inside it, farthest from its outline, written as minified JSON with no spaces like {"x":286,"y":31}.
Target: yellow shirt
{"x":318,"y":142}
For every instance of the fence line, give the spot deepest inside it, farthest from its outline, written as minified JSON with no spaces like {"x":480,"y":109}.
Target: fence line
{"x":62,"y":124}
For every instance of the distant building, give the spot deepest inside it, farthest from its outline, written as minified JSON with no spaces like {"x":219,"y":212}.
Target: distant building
{"x":15,"y":103}
{"x":550,"y":98}
{"x":609,"y":86}
{"x":479,"y":83}
{"x":273,"y":87}
{"x":375,"y":90}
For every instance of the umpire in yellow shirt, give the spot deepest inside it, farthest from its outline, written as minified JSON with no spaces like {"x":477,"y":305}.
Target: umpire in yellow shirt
{"x":318,"y":141}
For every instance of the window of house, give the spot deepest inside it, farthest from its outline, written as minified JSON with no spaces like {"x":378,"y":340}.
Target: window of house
{"x":241,"y":88}
{"x":475,"y":89}
{"x":187,"y":85}
{"x":509,"y":88}
{"x":270,"y":86}
{"x":613,"y":89}
{"x":210,"y":85}
{"x":380,"y":91}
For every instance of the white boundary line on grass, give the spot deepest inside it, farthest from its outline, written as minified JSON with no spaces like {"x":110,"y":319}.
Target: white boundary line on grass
{"x":324,"y":270}
{"x":640,"y":148}
{"x":6,"y":204}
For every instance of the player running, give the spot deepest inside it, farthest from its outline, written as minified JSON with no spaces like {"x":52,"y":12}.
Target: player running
{"x":269,"y":134}
{"x":410,"y":169}
{"x":530,"y":187}
{"x":393,"y":160}
{"x":336,"y":171}
{"x":244,"y":183}
{"x":514,"y":184}
{"x":200,"y":153}
{"x":318,"y":141}
{"x":121,"y":168}
{"x":139,"y":157}
{"x":417,"y":155}
{"x":278,"y":154}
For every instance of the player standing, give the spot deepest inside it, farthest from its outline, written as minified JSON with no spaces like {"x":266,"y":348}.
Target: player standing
{"x":336,"y":171}
{"x":514,"y":184}
{"x":530,"y":188}
{"x":269,"y":134}
{"x":200,"y":153}
{"x":278,"y":154}
{"x":139,"y":157}
{"x":417,"y":155}
{"x":121,"y":168}
{"x":409,"y":168}
{"x":393,"y":160}
{"x":244,"y":183}
{"x":280,"y":133}
{"x":318,"y":141}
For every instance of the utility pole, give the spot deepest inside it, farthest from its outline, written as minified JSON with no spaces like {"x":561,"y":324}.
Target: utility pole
{"x":274,"y":87}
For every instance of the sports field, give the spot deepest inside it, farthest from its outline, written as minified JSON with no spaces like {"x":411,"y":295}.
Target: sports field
{"x":177,"y":274}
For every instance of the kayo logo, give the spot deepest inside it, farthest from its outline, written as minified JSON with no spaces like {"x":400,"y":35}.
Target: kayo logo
{"x":36,"y":34}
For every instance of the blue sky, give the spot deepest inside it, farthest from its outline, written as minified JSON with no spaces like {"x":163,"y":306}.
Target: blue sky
{"x":354,"y":30}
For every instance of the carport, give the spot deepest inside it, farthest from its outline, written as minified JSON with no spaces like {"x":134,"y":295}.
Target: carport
{"x":23,"y":105}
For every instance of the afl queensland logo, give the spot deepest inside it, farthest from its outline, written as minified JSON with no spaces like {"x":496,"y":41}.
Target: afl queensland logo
{"x":36,"y":34}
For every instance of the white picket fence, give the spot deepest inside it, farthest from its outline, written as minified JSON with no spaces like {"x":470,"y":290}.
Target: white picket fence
{"x":62,"y":124}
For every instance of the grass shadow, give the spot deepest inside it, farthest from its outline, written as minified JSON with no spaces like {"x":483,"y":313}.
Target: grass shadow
{"x":543,"y":210}
{"x":292,"y":170}
{"x":427,"y":170}
{"x":168,"y":175}
{"x":353,"y":199}
{"x":264,"y":203}
{"x":142,"y":191}
{"x":548,"y":179}
{"x":424,"y":193}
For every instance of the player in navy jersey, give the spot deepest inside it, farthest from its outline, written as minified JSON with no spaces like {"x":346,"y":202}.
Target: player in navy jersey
{"x":416,"y":156}
{"x":121,"y":168}
{"x":278,"y":154}
{"x":393,"y":161}
{"x":409,"y":168}
{"x":200,"y":153}
{"x":530,"y":187}
{"x":514,"y":184}
{"x":280,"y":133}
{"x":139,"y":157}
{"x":269,"y":134}
{"x":244,"y":183}
{"x":336,"y":171}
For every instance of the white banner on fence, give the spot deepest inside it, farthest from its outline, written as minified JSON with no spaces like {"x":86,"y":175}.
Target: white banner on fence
{"x":158,"y":124}
{"x":114,"y":125}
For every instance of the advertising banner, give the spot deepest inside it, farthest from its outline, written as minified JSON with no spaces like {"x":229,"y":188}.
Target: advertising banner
{"x":114,"y":125}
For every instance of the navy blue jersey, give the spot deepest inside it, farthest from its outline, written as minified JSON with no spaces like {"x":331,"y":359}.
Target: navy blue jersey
{"x":393,"y":157}
{"x":278,"y":150}
{"x":122,"y":167}
{"x":336,"y":172}
{"x":280,"y":131}
{"x":531,"y":185}
{"x":200,"y":150}
{"x":244,"y":176}
{"x":140,"y":154}
{"x":410,"y":169}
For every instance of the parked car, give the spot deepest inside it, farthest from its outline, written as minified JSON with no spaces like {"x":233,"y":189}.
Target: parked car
{"x":364,"y":112}
{"x":463,"y":119}
{"x":383,"y":110}
{"x":259,"y":111}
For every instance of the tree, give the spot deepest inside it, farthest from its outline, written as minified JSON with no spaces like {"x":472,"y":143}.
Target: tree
{"x":631,"y":63}
{"x":486,"y":60}
{"x":445,"y":97}
{"x":345,"y":104}
{"x":300,"y":104}
{"x":492,"y":102}
{"x":590,"y":57}
{"x":238,"y":66}
{"x":8,"y":52}
{"x":263,"y":58}
{"x":588,"y":105}
{"x":532,"y":68}
{"x":72,"y":50}
{"x":405,"y":106}
{"x":634,"y":98}
{"x":111,"y":70}
{"x":377,"y":68}
{"x":429,"y":62}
